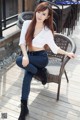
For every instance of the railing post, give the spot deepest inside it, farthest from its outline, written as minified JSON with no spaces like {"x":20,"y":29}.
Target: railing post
{"x":4,"y":13}
{"x":0,"y":20}
{"x":23,"y":5}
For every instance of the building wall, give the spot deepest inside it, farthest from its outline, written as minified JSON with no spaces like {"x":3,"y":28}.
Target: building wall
{"x":29,"y":5}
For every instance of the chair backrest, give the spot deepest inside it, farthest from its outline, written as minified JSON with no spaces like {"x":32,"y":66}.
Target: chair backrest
{"x":24,"y":16}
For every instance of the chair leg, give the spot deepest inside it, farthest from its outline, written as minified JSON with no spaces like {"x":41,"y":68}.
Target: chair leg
{"x":58,"y":92}
{"x":66,"y":76}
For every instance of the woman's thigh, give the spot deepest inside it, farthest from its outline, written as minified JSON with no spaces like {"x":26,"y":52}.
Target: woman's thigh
{"x":38,"y":61}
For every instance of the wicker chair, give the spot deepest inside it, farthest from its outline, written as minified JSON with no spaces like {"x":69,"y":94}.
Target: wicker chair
{"x":56,"y":66}
{"x":57,"y":63}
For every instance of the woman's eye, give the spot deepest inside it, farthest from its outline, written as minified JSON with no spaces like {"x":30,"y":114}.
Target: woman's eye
{"x":38,"y":11}
{"x":44,"y":14}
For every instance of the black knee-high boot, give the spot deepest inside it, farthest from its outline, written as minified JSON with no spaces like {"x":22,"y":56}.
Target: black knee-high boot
{"x":24,"y":110}
{"x":42,"y":74}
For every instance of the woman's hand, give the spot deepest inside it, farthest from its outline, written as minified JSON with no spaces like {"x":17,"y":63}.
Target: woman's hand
{"x":25,"y":61}
{"x":71,"y":55}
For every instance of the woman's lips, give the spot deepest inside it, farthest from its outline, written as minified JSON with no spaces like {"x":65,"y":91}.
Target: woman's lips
{"x":39,"y":19}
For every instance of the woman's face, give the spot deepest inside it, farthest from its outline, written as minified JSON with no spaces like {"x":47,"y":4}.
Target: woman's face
{"x":42,"y":15}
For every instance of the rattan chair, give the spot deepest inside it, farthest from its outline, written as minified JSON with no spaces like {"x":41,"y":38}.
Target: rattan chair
{"x":56,"y":65}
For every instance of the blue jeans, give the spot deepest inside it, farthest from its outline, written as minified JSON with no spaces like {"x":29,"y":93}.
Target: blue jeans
{"x":37,"y":60}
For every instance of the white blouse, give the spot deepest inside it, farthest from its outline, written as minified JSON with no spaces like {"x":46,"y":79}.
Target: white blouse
{"x":44,"y":37}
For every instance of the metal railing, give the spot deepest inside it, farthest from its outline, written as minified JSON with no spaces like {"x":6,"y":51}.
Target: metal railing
{"x":4,"y":19}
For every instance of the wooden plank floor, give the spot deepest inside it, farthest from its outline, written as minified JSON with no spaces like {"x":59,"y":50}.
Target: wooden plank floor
{"x":42,"y":101}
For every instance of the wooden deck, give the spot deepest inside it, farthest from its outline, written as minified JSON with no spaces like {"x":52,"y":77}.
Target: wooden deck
{"x":42,"y":101}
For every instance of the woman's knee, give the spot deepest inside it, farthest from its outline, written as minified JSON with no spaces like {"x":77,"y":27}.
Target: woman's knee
{"x":19,"y":60}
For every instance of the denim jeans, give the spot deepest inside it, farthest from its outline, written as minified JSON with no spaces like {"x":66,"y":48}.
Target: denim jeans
{"x":37,"y":60}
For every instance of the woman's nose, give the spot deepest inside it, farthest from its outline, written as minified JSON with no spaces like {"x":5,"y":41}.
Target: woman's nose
{"x":40,"y":15}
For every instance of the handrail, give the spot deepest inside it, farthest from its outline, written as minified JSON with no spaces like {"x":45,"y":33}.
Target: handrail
{"x":4,"y":18}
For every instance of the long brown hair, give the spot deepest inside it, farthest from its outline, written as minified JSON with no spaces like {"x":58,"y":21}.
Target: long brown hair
{"x":48,"y":22}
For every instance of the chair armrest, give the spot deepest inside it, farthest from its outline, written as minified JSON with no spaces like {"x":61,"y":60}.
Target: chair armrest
{"x":60,"y":39}
{"x":66,"y":59}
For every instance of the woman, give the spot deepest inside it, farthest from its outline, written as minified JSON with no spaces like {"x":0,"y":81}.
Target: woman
{"x":36,"y":34}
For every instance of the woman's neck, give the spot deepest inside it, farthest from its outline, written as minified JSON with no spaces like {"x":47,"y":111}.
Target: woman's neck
{"x":39,"y":25}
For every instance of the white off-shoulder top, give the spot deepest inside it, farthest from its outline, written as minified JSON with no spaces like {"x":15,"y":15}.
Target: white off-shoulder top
{"x":44,"y":37}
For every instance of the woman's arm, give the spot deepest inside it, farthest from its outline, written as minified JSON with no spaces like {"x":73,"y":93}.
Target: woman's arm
{"x":63,"y":52}
{"x":25,"y":60}
{"x":55,"y":49}
{"x":22,"y":43}
{"x":24,"y":50}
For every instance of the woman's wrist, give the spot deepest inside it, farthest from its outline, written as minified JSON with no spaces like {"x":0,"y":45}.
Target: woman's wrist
{"x":66,"y":53}
{"x":25,"y":56}
{"x":63,"y":52}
